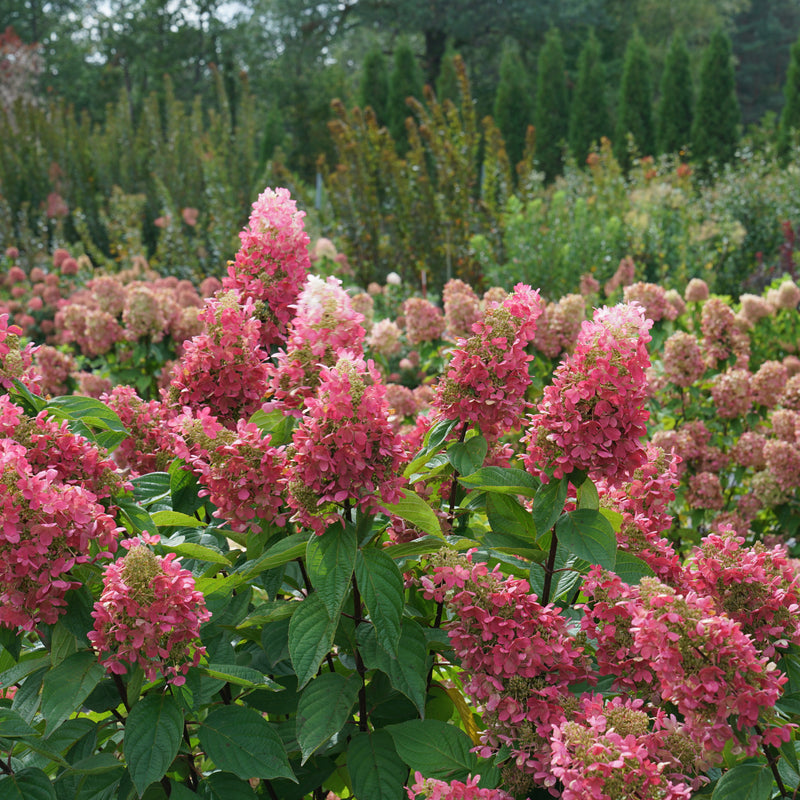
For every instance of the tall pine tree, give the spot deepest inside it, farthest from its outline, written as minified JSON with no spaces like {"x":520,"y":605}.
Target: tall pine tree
{"x":374,"y":88}
{"x":552,"y":111}
{"x":715,"y":131}
{"x":405,"y":81}
{"x":790,"y":116}
{"x":447,"y":87}
{"x":635,"y":110}
{"x":588,"y":120}
{"x":674,"y":124}
{"x":513,"y":104}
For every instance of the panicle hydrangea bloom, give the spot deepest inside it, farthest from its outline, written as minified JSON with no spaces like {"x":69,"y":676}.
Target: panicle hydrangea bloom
{"x":730,"y":391}
{"x":559,"y":325}
{"x":608,"y":752}
{"x":788,"y":295}
{"x":683,"y":359}
{"x":749,"y":450}
{"x":593,"y":414}
{"x":626,"y":271}
{"x":434,"y":789}
{"x":589,"y":285}
{"x":325,"y":327}
{"x":384,"y":338}
{"x":643,"y":502}
{"x":151,"y":445}
{"x":754,"y":308}
{"x":782,"y":459}
{"x":768,"y":383}
{"x":89,"y":384}
{"x":652,"y":297}
{"x":790,"y":397}
{"x":53,"y":369}
{"x":15,"y":360}
{"x":722,"y":337}
{"x":676,"y":301}
{"x":149,"y":614}
{"x":272,"y":262}
{"x":363,"y":304}
{"x":402,"y":402}
{"x":518,"y":658}
{"x":344,"y":450}
{"x":696,"y":291}
{"x":756,"y":586}
{"x":145,"y":313}
{"x":765,"y":487}
{"x":488,"y":373}
{"x":240,"y":471}
{"x":424,"y":321}
{"x":46,"y":528}
{"x":785,"y":424}
{"x":705,"y":491}
{"x":224,"y":368}
{"x":494,"y":294}
{"x":462,"y":308}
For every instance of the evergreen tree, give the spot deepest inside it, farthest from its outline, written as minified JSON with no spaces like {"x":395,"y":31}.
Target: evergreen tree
{"x":790,"y":116}
{"x":588,"y":121}
{"x":447,"y":87}
{"x":552,"y":111}
{"x":374,"y":89}
{"x":674,"y":125}
{"x":715,"y":130}
{"x":635,"y":110}
{"x":513,"y":105}
{"x":405,"y":81}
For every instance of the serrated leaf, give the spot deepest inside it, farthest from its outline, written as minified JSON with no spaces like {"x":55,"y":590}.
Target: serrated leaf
{"x":631,"y":568}
{"x":548,"y":503}
{"x":324,"y":708}
{"x":137,"y":517}
{"x":239,"y":675}
{"x":587,"y":534}
{"x":311,"y":633}
{"x":151,"y":487}
{"x":224,"y":786}
{"x":408,"y":670}
{"x":381,"y":586}
{"x":419,"y":547}
{"x":466,"y":457}
{"x":27,"y":784}
{"x":199,"y":552}
{"x":435,"y":748}
{"x":153,"y":734}
{"x":507,"y":515}
{"x":12,"y":726}
{"x":281,"y":553}
{"x":330,"y":560}
{"x":376,"y":771}
{"x":588,"y":496}
{"x":503,"y":480}
{"x":434,"y":438}
{"x":748,"y":781}
{"x":241,"y":741}
{"x":278,"y":425}
{"x":175,"y":519}
{"x":66,"y":686}
{"x":412,"y":508}
{"x":86,"y":409}
{"x":24,"y":668}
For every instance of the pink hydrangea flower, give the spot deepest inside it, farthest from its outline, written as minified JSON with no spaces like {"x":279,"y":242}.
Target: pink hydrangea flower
{"x":424,"y":322}
{"x":46,"y":528}
{"x":272,"y":262}
{"x":730,"y":391}
{"x":696,"y":291}
{"x":344,"y":451}
{"x":722,"y":337}
{"x":768,"y":383}
{"x":488,"y":374}
{"x":593,"y":415}
{"x":560,"y":325}
{"x":384,"y":338}
{"x":54,"y":369}
{"x":434,"y":789}
{"x":462,"y":308}
{"x":652,"y":297}
{"x":149,"y":614}
{"x":683,"y":359}
{"x":15,"y":359}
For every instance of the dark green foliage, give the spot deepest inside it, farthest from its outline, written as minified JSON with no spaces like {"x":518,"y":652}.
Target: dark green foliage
{"x":552,"y":111}
{"x":635,"y":110}
{"x":790,"y":116}
{"x":588,"y":121}
{"x":447,"y":81}
{"x":674,"y":125}
{"x":513,"y":105}
{"x":374,"y":90}
{"x":405,"y":81}
{"x":715,"y":131}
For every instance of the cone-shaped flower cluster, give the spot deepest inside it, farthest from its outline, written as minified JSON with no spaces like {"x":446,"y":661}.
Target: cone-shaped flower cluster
{"x":592,"y":417}
{"x":272,"y":262}
{"x":149,"y":614}
{"x":488,"y":375}
{"x":344,"y":449}
{"x":434,"y":789}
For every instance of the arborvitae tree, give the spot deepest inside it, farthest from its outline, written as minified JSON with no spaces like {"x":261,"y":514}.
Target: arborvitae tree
{"x":513,"y":104}
{"x":447,"y":81}
{"x":374,"y":89}
{"x":674,"y":124}
{"x":405,"y":81}
{"x":588,"y":121}
{"x":552,"y":111}
{"x":790,"y":116}
{"x":715,"y":131}
{"x":635,"y":110}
